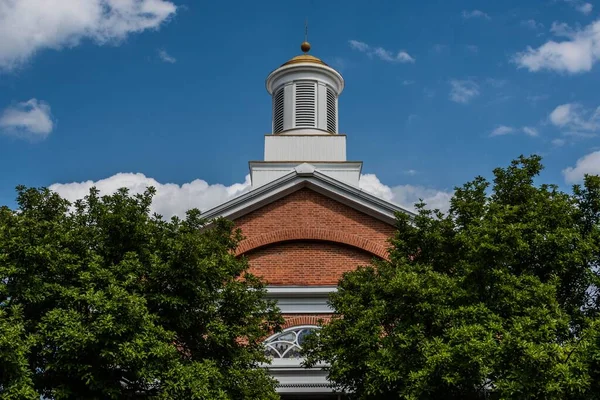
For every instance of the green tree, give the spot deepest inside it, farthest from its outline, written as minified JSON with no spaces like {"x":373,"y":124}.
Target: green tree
{"x":101,"y":300}
{"x":497,"y":299}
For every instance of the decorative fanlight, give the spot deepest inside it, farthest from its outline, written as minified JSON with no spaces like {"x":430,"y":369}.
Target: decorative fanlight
{"x":288,"y":343}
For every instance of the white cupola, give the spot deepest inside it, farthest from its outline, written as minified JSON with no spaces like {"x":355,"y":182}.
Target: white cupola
{"x":305,"y":134}
{"x":305,"y":94}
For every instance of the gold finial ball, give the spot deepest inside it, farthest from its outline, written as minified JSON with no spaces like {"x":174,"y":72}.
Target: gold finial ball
{"x":305,"y":47}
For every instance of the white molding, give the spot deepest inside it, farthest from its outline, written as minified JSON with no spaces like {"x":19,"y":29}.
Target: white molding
{"x":319,"y":182}
{"x":302,"y":299}
{"x":300,"y":291}
{"x":301,"y":71}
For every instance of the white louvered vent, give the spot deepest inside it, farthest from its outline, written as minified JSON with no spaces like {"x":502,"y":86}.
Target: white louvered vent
{"x":278,"y":111}
{"x":331,"y":112}
{"x":305,"y":104}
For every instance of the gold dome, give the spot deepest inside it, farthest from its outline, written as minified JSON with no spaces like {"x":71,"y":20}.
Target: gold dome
{"x":305,"y":58}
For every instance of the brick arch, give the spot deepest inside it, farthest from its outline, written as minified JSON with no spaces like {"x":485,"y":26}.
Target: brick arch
{"x":327,"y":235}
{"x":300,"y":320}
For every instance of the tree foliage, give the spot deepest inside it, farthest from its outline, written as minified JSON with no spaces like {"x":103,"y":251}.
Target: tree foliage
{"x":498,"y":299}
{"x":100,"y":300}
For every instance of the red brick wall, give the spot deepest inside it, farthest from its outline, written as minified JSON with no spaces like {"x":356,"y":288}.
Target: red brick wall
{"x":347,"y":239}
{"x":305,"y":263}
{"x":309,"y":209}
{"x":305,"y":319}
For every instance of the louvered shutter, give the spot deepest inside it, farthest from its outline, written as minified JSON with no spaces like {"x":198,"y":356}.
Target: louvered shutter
{"x":331,"y":112}
{"x":278,"y":111}
{"x":305,"y":104}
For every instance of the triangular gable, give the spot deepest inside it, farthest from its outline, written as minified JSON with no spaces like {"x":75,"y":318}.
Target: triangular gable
{"x":306,"y":176}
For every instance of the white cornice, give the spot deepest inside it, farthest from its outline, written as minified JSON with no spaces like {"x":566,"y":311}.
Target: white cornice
{"x":281,"y":74}
{"x":299,"y":291}
{"x":320,"y":183}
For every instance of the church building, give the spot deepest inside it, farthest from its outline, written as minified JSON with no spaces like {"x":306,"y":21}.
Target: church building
{"x":305,"y":220}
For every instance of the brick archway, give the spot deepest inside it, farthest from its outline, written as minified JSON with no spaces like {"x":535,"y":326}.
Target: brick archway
{"x":299,"y":320}
{"x":327,"y":235}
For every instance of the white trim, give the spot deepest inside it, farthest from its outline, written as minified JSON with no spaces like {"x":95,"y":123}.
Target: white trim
{"x":319,"y":182}
{"x":302,"y":299}
{"x":299,"y":71}
{"x":300,"y":291}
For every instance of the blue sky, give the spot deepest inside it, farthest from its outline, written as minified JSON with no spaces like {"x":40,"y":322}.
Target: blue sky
{"x":137,"y":92}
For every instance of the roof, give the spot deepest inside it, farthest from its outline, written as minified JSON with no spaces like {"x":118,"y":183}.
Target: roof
{"x":304,"y":58}
{"x":306,"y":176}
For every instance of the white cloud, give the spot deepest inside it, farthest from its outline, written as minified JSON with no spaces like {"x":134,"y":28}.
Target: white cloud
{"x":575,"y":119}
{"x":588,"y":164}
{"x":463,"y":91}
{"x":166,"y":57}
{"x":502,"y":130}
{"x":535,"y":98}
{"x":532,"y":24}
{"x":558,"y":142}
{"x":173,"y":199}
{"x":439,"y":48}
{"x":386,"y":55}
{"x":577,"y":54}
{"x":170,"y":199}
{"x":31,"y":119}
{"x":360,"y":46}
{"x":474,"y":14}
{"x":410,"y":172}
{"x":497,"y":83}
{"x":581,"y":6}
{"x":585,"y":8}
{"x":529,"y":131}
{"x":381,"y":53}
{"x":407,"y":82}
{"x":27,"y":26}
{"x":406,"y":195}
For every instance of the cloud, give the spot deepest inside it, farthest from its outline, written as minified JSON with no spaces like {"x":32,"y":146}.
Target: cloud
{"x":410,"y":172}
{"x":170,"y":199}
{"x":407,"y":82}
{"x":588,"y":164}
{"x":360,"y":46}
{"x":532,"y":24}
{"x":529,"y":131}
{"x":575,"y":119}
{"x":581,"y":6}
{"x":558,"y":142}
{"x":535,"y":98}
{"x":401,"y":57}
{"x":585,"y":8}
{"x":406,"y":195}
{"x":173,"y":199}
{"x":163,"y":55}
{"x":439,"y":48}
{"x":463,"y":91}
{"x":31,"y":119}
{"x":577,"y":54}
{"x":502,"y":130}
{"x":497,"y":83}
{"x":475,"y":14}
{"x":28,"y":26}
